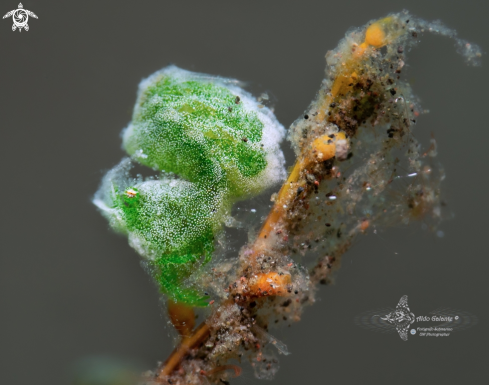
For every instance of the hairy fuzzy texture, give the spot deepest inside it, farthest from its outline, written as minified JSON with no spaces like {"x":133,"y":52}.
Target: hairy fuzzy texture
{"x":359,"y":168}
{"x":205,"y":130}
{"x":214,"y":145}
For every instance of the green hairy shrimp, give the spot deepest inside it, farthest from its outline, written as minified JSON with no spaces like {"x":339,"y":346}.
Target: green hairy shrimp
{"x":212,"y":144}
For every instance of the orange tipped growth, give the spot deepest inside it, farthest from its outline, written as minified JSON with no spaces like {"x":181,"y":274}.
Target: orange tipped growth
{"x":375,"y":35}
{"x":324,"y":147}
{"x":182,"y":317}
{"x":269,"y":284}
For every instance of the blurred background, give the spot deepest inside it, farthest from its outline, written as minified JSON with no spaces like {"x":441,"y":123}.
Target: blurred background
{"x":73,"y":297}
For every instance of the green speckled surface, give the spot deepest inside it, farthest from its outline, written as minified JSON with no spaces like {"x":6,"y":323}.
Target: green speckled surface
{"x":213,"y":144}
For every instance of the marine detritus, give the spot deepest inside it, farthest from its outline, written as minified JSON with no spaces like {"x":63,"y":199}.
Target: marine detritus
{"x":212,"y":144}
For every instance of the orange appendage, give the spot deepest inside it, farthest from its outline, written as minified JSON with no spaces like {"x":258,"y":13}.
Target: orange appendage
{"x":266,"y":284}
{"x":375,"y":35}
{"x":324,"y":147}
{"x":278,"y":210}
{"x":341,"y":85}
{"x":182,"y":317}
{"x":360,"y":50}
{"x":364,"y":225}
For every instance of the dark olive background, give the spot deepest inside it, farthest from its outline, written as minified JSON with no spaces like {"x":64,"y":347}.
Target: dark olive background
{"x":70,"y":288}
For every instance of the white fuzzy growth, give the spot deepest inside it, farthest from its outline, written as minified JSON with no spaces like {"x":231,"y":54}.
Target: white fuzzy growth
{"x":471,"y":52}
{"x":166,"y":208}
{"x":106,"y":195}
{"x":272,"y":135}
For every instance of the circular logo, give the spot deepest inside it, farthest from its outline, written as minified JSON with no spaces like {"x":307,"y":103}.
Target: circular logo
{"x":413,"y":331}
{"x":20,"y":17}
